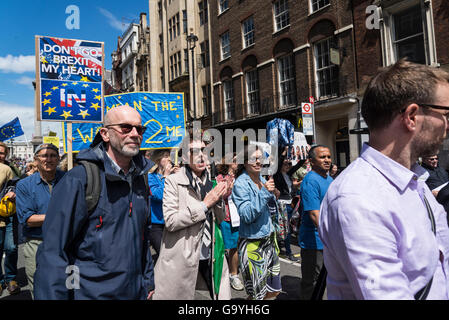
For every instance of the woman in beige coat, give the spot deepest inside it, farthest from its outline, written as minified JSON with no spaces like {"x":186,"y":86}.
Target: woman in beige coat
{"x":177,"y":268}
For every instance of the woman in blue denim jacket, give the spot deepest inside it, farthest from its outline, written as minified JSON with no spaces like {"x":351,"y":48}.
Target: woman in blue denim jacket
{"x":255,"y":199}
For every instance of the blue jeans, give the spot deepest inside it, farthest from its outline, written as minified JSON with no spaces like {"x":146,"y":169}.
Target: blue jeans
{"x":8,"y":246}
{"x":288,"y":249}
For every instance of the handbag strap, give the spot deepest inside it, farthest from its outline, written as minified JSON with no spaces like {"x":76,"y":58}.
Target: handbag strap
{"x":422,"y":294}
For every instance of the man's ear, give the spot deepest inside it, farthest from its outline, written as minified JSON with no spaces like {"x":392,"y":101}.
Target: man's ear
{"x":409,"y":116}
{"x":104,"y":134}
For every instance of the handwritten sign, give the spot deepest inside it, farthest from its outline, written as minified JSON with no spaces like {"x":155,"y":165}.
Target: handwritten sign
{"x":161,"y":113}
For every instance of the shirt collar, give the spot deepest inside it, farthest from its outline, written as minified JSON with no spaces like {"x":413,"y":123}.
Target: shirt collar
{"x":396,"y":173}
{"x":39,"y":179}
{"x":118,"y":170}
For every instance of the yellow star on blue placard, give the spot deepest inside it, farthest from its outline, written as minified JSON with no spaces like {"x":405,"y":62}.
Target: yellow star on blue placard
{"x":83,"y":113}
{"x":48,"y":93}
{"x":95,"y":106}
{"x":66,"y":114}
{"x":46,"y":101}
{"x":50,"y":110}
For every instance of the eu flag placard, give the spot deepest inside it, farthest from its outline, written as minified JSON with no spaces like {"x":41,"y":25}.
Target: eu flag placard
{"x":70,"y":75}
{"x":11,"y":129}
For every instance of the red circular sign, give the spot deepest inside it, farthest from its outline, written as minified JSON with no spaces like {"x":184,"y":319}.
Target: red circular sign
{"x":311,"y":99}
{"x":306,"y":107}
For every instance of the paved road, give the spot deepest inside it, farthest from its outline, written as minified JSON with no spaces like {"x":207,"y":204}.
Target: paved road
{"x":290,"y":279}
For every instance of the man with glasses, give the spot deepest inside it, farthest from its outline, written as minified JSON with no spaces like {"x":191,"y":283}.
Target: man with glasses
{"x":102,"y":253}
{"x":33,"y":196}
{"x":384,"y":234}
{"x":437,"y":175}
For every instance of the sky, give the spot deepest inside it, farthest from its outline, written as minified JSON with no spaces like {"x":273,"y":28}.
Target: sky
{"x":20,"y":21}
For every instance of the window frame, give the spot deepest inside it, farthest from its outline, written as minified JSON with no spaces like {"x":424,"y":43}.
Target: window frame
{"x":252,"y":91}
{"x":228,"y":100}
{"x":387,"y":30}
{"x":221,"y":5}
{"x":321,"y":68}
{"x":206,"y":99}
{"x":203,"y":12}
{"x":204,"y":54}
{"x":280,"y":15}
{"x":286,"y":98}
{"x":222,"y":53}
{"x":248,"y":34}
{"x":318,"y":7}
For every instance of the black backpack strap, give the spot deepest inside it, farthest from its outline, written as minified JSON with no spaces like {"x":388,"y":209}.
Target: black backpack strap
{"x":422,"y":294}
{"x":147,"y":187}
{"x":93,"y":184}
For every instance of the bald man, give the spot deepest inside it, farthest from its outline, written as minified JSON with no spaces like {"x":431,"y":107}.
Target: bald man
{"x":101,"y":254}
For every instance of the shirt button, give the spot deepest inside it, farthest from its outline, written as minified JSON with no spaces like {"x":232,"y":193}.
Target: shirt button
{"x":415,"y":178}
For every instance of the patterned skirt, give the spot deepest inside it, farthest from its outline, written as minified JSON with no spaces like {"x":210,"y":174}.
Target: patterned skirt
{"x":259,"y":265}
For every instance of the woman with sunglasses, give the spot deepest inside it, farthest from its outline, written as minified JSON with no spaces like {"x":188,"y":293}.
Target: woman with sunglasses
{"x":255,"y":200}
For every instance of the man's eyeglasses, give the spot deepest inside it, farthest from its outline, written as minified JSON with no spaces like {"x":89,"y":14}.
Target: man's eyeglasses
{"x":47,"y":156}
{"x":432,"y":106}
{"x":126,"y":128}
{"x":436,"y":107}
{"x":432,"y":159}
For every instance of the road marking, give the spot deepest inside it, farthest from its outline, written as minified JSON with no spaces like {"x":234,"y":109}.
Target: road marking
{"x":290,"y":262}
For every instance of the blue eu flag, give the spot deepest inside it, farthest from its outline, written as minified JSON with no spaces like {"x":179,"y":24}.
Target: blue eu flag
{"x":11,"y":129}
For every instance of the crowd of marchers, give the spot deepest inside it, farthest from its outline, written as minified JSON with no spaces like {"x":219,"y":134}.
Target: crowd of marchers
{"x":130,"y":224}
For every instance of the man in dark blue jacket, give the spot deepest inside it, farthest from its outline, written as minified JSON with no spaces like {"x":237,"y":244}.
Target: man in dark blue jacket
{"x":103,"y":254}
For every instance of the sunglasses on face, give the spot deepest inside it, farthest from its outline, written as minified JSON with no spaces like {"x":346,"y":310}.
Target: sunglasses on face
{"x":255,"y":159}
{"x":126,"y":128}
{"x":197,"y":150}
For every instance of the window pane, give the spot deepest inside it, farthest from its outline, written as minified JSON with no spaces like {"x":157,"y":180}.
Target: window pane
{"x":286,"y":81}
{"x":248,"y":32}
{"x":413,"y":49}
{"x":409,"y":36}
{"x":408,"y":23}
{"x":326,"y":72}
{"x":281,"y":14}
{"x":225,"y":46}
{"x":318,"y":4}
{"x":252,"y":89}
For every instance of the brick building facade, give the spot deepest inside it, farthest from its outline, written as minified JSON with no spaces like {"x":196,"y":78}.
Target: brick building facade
{"x":270,"y":56}
{"x":388,"y":30}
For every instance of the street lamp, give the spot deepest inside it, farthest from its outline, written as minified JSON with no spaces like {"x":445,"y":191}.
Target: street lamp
{"x":191,"y":42}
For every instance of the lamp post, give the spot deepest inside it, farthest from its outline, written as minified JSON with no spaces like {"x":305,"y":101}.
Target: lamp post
{"x":191,"y":42}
